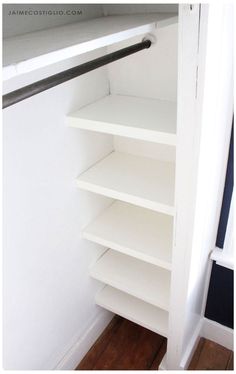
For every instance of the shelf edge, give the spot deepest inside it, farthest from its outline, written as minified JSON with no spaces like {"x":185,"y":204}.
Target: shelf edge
{"x":135,"y":200}
{"x":26,"y":66}
{"x":99,"y":302}
{"x":123,"y":130}
{"x":127,"y":251}
{"x":105,"y":280}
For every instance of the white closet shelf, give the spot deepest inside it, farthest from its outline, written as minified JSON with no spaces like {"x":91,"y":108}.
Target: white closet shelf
{"x":137,"y":180}
{"x":31,"y":51}
{"x":134,"y":117}
{"x":142,"y":280}
{"x":133,"y":309}
{"x":137,"y":232}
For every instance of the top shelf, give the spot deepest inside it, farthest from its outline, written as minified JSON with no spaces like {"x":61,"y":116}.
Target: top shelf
{"x":31,"y":51}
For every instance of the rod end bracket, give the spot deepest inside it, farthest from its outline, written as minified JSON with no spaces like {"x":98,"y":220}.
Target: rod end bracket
{"x":150,"y":37}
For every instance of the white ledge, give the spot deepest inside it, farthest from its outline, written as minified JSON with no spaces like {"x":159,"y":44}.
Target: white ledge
{"x":222,"y":258}
{"x":31,"y":51}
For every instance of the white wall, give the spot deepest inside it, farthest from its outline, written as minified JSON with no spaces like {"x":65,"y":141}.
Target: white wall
{"x":112,"y":9}
{"x":48,"y":294}
{"x":16,"y":24}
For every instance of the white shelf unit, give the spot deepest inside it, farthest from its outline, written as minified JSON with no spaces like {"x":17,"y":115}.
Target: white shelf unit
{"x":137,"y":278}
{"x":136,"y":230}
{"x":134,"y":117}
{"x":134,"y":309}
{"x":31,"y":51}
{"x":141,"y":233}
{"x":137,"y":180}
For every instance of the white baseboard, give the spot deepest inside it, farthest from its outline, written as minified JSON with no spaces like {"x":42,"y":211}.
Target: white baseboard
{"x":188,"y":354}
{"x":218,"y":333}
{"x":76,"y":353}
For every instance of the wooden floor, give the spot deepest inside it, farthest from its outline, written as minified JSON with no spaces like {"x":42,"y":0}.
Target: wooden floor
{"x":127,"y":346}
{"x":211,"y":356}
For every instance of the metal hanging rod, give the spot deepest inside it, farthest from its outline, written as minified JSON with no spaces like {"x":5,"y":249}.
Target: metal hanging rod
{"x":33,"y":89}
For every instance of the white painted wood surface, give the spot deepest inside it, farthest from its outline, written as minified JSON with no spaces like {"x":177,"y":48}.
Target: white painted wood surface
{"x":204,"y":119}
{"x":134,"y":117}
{"x":35,"y":50}
{"x":133,"y":309}
{"x":135,"y":231}
{"x":139,"y":279}
{"x":222,"y":259}
{"x":137,"y":180}
{"x":187,"y":153}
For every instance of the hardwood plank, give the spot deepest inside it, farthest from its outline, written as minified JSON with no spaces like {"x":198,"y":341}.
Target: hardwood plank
{"x":197,"y":354}
{"x":143,"y":353}
{"x":132,"y":348}
{"x":100,"y":345}
{"x":117,"y":347}
{"x":212,"y":357}
{"x":159,"y":356}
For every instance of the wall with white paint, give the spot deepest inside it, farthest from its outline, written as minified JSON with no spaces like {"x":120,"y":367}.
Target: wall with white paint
{"x":23,"y":18}
{"x":48,"y":294}
{"x":112,"y":9}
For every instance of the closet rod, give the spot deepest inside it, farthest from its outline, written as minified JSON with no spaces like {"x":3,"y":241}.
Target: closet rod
{"x":33,"y":89}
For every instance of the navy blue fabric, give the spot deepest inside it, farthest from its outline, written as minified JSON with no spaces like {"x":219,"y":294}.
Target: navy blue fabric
{"x":219,"y":305}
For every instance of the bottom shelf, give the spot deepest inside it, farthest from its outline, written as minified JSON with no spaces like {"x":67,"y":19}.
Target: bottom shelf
{"x":133,"y":309}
